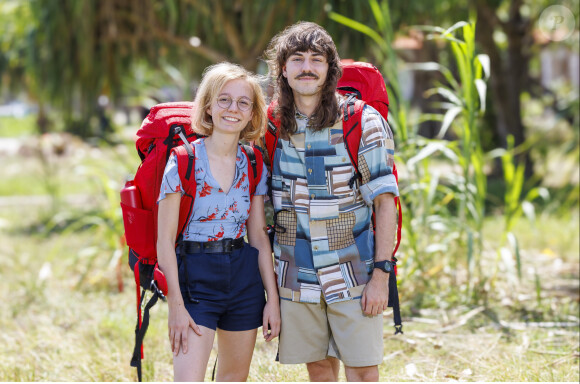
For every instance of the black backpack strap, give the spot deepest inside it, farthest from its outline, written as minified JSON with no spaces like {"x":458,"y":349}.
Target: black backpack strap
{"x":253,"y":162}
{"x":191,"y":157}
{"x":140,"y":333}
{"x":394,"y":301}
{"x":252,"y":157}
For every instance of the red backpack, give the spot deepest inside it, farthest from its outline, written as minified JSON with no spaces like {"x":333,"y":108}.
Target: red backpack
{"x":361,"y":83}
{"x":165,"y":130}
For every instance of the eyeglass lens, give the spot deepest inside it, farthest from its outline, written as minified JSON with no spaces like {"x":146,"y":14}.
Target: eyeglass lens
{"x":243,"y":103}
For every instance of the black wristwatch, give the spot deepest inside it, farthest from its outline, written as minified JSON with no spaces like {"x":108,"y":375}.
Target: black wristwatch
{"x":386,"y":266}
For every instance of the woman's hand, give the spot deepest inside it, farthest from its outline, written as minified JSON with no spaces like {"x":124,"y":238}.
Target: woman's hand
{"x":179,"y":322}
{"x":271,"y":319}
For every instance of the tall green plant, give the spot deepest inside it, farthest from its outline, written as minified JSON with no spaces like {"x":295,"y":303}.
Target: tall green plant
{"x":464,"y":103}
{"x":382,"y":36}
{"x":515,"y":203}
{"x":432,"y":227}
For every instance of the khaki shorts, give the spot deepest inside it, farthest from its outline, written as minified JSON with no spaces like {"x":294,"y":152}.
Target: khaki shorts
{"x":314,"y":332}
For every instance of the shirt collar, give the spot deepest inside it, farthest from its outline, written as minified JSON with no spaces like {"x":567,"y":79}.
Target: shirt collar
{"x":299,"y":115}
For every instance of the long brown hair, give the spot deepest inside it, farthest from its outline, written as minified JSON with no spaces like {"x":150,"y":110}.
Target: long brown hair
{"x":302,"y":37}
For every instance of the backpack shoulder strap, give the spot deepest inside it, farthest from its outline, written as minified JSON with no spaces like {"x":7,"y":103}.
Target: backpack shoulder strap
{"x":272,"y":133}
{"x":185,"y":155}
{"x":255,"y":160}
{"x":352,"y":130}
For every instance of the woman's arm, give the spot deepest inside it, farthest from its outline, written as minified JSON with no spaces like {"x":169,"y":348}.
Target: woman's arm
{"x":179,"y":320}
{"x":258,"y":238}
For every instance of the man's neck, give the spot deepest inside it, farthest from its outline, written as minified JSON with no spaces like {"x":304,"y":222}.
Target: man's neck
{"x":306,"y":104}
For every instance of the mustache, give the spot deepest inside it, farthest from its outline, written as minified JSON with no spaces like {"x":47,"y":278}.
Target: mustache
{"x":306,"y":74}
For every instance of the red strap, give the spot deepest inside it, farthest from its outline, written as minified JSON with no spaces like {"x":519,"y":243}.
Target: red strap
{"x":351,"y":129}
{"x":254,"y":180}
{"x":352,"y":133}
{"x":188,"y":185}
{"x":400,"y":212}
{"x":272,"y":132}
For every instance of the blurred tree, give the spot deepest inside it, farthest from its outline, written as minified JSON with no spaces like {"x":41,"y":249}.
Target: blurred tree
{"x":68,"y":53}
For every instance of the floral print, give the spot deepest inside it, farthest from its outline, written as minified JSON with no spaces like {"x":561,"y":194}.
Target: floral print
{"x":216,"y":215}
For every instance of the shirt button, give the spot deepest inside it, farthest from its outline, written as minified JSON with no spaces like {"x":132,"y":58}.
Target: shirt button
{"x":312,"y":196}
{"x":316,"y":247}
{"x":309,"y":170}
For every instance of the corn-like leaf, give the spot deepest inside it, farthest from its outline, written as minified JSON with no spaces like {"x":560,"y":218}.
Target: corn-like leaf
{"x":529,"y":211}
{"x":430,"y":149}
{"x":498,"y":152}
{"x":485,"y":64}
{"x":459,"y":24}
{"x":481,"y":91}
{"x":514,"y":243}
{"x":433,"y":186}
{"x":378,"y":14}
{"x":449,"y":95}
{"x":433,"y":66}
{"x":450,"y":115}
{"x":353,"y":24}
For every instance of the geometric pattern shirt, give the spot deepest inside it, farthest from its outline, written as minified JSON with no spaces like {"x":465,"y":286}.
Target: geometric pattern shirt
{"x":216,"y":215}
{"x":325,"y":247}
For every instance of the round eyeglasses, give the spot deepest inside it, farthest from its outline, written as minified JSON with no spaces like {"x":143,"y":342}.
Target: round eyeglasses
{"x":243,"y":103}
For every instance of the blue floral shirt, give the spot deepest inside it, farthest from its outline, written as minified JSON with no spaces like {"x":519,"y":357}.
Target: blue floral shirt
{"x":216,"y":215}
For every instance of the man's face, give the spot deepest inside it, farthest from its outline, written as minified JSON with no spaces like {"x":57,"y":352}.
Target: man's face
{"x":306,"y":72}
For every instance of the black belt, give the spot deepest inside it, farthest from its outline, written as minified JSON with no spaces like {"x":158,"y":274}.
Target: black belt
{"x":220,"y":246}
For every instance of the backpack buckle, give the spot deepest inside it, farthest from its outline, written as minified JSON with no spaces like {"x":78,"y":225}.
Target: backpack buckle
{"x":157,"y":291}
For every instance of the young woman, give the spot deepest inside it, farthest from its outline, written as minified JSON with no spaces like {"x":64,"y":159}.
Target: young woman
{"x":217,"y":281}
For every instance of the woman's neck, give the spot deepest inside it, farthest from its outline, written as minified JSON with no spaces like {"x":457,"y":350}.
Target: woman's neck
{"x":222,"y":145}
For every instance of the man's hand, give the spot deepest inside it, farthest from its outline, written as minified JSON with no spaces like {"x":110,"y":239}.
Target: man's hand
{"x":375,"y":296}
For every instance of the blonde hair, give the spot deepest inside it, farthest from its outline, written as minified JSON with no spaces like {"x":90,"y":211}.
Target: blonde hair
{"x":213,"y":80}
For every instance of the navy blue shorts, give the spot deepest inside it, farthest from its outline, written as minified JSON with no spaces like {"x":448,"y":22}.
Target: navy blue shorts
{"x":228,"y":288}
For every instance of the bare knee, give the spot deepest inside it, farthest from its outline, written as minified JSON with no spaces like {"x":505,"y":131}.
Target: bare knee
{"x":232,"y":376}
{"x":366,"y":374}
{"x":323,"y":370}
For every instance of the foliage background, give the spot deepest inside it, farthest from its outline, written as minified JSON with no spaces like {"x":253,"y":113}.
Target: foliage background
{"x":486,"y":118}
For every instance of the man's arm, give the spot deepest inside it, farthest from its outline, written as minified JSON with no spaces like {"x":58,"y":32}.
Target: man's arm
{"x":375,"y":296}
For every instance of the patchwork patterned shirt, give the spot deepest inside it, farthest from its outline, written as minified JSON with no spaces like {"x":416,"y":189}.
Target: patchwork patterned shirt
{"x":328,"y":244}
{"x":216,"y":215}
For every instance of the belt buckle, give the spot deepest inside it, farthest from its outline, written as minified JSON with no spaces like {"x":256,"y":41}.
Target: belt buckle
{"x":228,"y":245}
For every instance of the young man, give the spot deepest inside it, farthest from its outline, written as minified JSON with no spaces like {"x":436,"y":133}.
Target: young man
{"x":332,"y":287}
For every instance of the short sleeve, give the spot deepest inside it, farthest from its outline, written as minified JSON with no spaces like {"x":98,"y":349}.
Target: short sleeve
{"x":376,"y":156}
{"x":262,"y":187}
{"x":171,"y":182}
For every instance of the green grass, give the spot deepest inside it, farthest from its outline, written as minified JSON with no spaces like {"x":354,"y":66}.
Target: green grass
{"x":18,"y":127}
{"x":59,"y":330}
{"x":75,"y":324}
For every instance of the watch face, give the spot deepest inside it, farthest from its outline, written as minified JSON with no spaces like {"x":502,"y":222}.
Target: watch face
{"x":387,"y":267}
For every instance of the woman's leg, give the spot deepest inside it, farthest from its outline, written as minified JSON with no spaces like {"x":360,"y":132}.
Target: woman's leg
{"x":192,"y":365}
{"x":235,"y":351}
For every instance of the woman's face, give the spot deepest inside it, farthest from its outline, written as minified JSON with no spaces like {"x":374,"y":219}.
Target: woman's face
{"x":231,"y":109}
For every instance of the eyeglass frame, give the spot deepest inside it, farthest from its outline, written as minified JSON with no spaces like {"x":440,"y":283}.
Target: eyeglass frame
{"x":232,"y":100}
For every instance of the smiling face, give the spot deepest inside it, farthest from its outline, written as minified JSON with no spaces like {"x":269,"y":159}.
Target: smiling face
{"x":232,"y":119}
{"x":306,"y":73}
